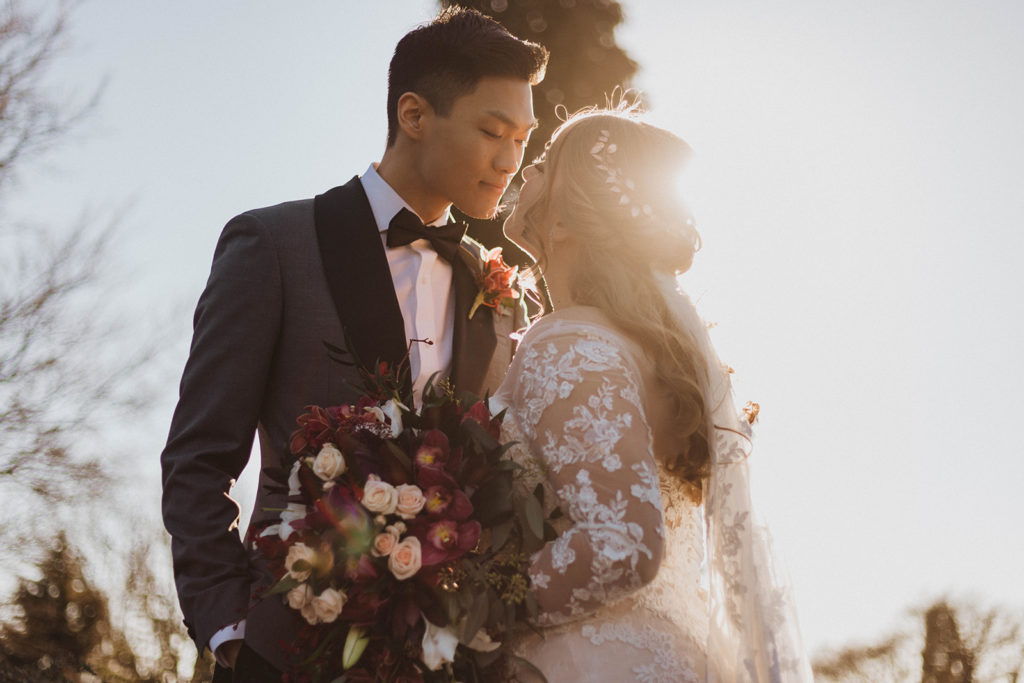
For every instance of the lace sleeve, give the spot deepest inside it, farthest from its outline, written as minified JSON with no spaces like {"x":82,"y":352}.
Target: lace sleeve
{"x":580,"y":396}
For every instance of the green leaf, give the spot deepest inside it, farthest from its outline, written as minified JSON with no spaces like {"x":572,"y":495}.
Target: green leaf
{"x":526,"y":664}
{"x":499,"y":534}
{"x":482,"y":436}
{"x":485,"y":659}
{"x":399,"y":455}
{"x":476,"y":619}
{"x":534,"y":516}
{"x":286,"y":583}
{"x":531,"y":605}
{"x":505,"y":448}
{"x":538,"y":493}
{"x":493,"y":500}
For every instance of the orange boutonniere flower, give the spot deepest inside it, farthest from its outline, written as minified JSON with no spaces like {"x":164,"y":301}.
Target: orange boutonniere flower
{"x":497,"y":282}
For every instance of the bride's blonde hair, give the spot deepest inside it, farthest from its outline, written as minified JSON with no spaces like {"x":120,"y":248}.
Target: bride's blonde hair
{"x":611,"y":181}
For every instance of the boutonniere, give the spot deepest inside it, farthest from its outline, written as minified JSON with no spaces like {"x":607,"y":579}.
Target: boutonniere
{"x":497,"y":282}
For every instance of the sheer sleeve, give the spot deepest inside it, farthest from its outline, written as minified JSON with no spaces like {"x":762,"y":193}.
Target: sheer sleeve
{"x":585,"y":426}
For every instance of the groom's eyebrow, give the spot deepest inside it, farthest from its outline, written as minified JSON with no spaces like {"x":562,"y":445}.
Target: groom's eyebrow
{"x":509,"y":121}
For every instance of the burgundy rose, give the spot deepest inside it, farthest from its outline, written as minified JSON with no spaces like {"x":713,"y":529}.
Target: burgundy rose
{"x":479,"y":413}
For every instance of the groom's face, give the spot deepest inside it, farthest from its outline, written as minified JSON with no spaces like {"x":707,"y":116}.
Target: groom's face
{"x":469,"y":157}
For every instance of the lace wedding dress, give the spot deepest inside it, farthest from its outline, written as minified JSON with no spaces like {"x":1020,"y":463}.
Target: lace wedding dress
{"x":620,"y":590}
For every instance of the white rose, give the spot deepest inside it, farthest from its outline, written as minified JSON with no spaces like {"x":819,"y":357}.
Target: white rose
{"x":294,"y":487}
{"x":384,"y":543}
{"x":329,"y":463}
{"x":438,"y":645}
{"x":410,"y":500}
{"x":379,"y":496}
{"x":299,"y":596}
{"x":328,"y":605}
{"x":406,"y":558}
{"x":303,"y":556}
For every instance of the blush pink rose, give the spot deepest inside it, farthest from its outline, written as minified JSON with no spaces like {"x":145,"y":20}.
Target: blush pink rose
{"x":410,"y":500}
{"x":384,"y":543}
{"x":406,"y":559}
{"x":299,"y":562}
{"x":379,"y":496}
{"x":328,"y":605}
{"x":300,"y":596}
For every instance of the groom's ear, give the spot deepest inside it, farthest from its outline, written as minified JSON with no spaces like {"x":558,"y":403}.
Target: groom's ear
{"x":412,"y":110}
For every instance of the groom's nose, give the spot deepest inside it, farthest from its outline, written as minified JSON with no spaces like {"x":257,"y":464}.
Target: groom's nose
{"x":508,"y":158}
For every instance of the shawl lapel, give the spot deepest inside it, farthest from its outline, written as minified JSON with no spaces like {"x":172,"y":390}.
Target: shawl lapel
{"x":358,"y":276}
{"x":474,"y":340}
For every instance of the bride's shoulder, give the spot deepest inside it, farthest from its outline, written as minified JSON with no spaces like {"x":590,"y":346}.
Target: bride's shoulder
{"x":579,"y":322}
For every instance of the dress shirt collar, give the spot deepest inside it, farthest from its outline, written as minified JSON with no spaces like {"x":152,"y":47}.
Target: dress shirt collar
{"x":385,"y":202}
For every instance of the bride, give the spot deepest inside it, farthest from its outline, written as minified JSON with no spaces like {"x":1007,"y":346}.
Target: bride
{"x":624,"y":414}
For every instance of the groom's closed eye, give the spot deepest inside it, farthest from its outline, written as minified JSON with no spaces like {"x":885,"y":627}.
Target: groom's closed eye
{"x":522,"y":142}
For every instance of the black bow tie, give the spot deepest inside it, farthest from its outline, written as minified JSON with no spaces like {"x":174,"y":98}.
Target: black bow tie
{"x":406,"y":227}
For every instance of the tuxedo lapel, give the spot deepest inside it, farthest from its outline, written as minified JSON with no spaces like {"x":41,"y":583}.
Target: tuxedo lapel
{"x":358,"y":275}
{"x":474,"y":339}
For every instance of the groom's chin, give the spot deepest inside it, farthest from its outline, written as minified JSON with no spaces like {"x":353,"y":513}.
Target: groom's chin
{"x":482,"y":213}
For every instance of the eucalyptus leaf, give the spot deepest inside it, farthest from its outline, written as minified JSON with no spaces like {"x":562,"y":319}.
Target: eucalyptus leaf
{"x":482,"y":436}
{"x":500,"y":533}
{"x":534,"y":516}
{"x":485,"y":659}
{"x":476,"y":619}
{"x":531,"y":605}
{"x":526,"y":664}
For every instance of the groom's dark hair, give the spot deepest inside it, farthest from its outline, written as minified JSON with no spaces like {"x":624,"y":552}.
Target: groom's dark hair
{"x":445,"y":59}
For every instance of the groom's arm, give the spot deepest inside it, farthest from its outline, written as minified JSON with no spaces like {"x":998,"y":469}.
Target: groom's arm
{"x":222,"y":388}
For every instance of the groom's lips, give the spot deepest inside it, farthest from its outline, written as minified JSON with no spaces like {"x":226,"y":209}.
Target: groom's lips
{"x":499,"y":189}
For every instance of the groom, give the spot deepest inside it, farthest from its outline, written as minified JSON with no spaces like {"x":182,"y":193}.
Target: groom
{"x":354,"y":264}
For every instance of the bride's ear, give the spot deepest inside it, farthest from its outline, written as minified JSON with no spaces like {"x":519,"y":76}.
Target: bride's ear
{"x":412,"y":109}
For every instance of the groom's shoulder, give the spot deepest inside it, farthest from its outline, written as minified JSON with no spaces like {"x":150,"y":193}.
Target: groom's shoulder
{"x":284,"y":214}
{"x":300,"y":212}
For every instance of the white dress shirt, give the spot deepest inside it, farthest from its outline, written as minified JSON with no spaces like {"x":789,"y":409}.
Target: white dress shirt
{"x":423,"y":283}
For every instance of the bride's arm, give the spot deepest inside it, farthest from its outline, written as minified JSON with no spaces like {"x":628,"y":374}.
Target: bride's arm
{"x":593,"y":437}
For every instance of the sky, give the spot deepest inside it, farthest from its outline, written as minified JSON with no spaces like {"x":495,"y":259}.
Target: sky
{"x":858,"y":192}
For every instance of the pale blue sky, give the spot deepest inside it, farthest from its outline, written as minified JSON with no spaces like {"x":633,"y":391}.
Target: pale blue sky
{"x":858,"y":191}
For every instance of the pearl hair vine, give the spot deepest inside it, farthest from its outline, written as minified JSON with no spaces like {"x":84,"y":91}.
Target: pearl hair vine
{"x":622,"y":185}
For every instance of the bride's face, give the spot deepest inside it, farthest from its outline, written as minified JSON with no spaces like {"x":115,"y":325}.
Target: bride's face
{"x":519,"y":226}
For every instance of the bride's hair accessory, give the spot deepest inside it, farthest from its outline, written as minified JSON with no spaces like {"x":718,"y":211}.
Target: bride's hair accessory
{"x":603,"y":151}
{"x":621,"y":184}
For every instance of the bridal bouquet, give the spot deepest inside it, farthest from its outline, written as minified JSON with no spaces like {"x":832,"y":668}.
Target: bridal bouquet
{"x":401,"y":546}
